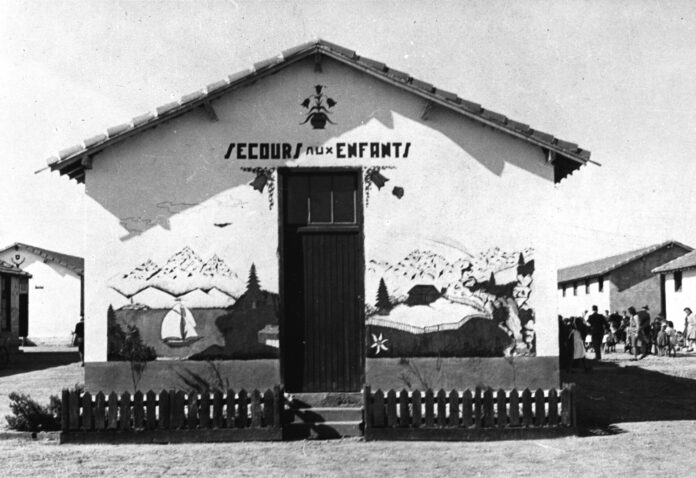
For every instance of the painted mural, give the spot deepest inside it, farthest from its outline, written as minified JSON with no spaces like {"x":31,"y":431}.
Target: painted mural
{"x":472,"y":305}
{"x":194,"y":308}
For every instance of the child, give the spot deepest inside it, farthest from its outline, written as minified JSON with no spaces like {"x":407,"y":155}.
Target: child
{"x":672,"y":343}
{"x":578,"y":344}
{"x":609,"y":340}
{"x":662,"y":341}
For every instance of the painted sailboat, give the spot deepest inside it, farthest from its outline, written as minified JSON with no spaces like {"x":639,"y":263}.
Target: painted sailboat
{"x":179,"y":327}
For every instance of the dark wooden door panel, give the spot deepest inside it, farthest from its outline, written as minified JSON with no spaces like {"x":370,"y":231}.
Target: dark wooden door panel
{"x":333,"y":320}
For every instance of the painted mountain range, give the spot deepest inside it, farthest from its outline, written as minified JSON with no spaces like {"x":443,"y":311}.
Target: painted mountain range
{"x":458,"y":275}
{"x":184,"y":274}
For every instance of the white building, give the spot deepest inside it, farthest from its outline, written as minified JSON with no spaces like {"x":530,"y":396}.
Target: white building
{"x":679,"y":282}
{"x":55,"y":303}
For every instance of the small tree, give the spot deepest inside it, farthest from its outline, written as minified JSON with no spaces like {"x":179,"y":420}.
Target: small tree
{"x":383,"y":303}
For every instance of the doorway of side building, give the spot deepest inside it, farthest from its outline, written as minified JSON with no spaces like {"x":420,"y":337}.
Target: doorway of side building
{"x":322,"y":324}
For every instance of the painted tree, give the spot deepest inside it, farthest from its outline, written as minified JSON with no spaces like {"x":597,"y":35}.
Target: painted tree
{"x":253,"y":281}
{"x":383,"y":303}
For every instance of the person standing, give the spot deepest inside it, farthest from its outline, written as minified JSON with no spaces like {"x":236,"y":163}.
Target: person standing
{"x":644,"y":331}
{"x":690,"y":329}
{"x":578,"y":344}
{"x":598,"y":325}
{"x":79,"y":339}
{"x":632,"y":332}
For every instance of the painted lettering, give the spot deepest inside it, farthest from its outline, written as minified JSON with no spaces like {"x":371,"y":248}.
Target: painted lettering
{"x":298,"y":150}
{"x":339,"y":150}
{"x":408,"y":146}
{"x":229,"y":151}
{"x":252,"y":147}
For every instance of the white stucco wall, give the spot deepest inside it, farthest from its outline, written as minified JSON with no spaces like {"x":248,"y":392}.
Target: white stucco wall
{"x":575,"y":305}
{"x":676,"y":301}
{"x":467,"y":187}
{"x":54,"y":297}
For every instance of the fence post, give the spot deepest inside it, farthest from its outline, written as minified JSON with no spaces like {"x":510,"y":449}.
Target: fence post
{"x":539,"y":408}
{"x":268,"y":408}
{"x":138,"y":410}
{"x":477,"y":407}
{"x":502,"y":411}
{"x":193,"y":410}
{"x":151,"y":406}
{"x":526,"y":407}
{"x":391,"y":408}
{"x":217,"y":409}
{"x":279,"y":408}
{"x":404,"y":419}
{"x":514,"y":408}
{"x":488,"y":413}
{"x":74,"y":409}
{"x":417,"y":413}
{"x":100,"y":411}
{"x":453,"y":409}
{"x":429,"y":409}
{"x":467,"y":417}
{"x":566,"y":417}
{"x":113,"y":411}
{"x":242,"y":418}
{"x":204,"y":409}
{"x":367,"y":407}
{"x":379,"y":419}
{"x":229,"y":409}
{"x":255,"y":409}
{"x":164,"y":412}
{"x":553,"y":407}
{"x":87,"y":413}
{"x":441,"y":408}
{"x":125,"y":411}
{"x":65,"y":410}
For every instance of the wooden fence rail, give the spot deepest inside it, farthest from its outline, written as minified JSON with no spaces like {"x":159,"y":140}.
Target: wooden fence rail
{"x":172,"y":416}
{"x":481,"y":415}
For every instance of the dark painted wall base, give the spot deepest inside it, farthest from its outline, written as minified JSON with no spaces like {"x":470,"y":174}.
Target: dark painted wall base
{"x":173,"y":436}
{"x":387,"y":373}
{"x":467,"y":434}
{"x":183,"y":375}
{"x":463,"y":373}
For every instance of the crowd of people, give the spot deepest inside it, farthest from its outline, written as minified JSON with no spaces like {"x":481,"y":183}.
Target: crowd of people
{"x":639,"y":333}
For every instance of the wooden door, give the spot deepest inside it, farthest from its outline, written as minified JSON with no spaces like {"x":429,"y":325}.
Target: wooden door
{"x":23,"y":315}
{"x":322,"y":329}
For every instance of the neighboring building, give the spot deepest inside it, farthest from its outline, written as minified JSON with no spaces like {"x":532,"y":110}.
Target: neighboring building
{"x":679,"y":280}
{"x":56,"y":291}
{"x":280,"y":198}
{"x":617,"y":282}
{"x":14,"y":301}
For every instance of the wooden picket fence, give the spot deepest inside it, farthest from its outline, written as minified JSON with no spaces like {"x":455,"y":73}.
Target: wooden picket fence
{"x":481,"y":415}
{"x":171,"y":416}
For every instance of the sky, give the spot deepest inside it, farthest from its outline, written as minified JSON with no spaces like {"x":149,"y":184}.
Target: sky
{"x":616,"y":77}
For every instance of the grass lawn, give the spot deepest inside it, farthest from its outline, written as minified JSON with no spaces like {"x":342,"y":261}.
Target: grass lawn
{"x":639,"y":418}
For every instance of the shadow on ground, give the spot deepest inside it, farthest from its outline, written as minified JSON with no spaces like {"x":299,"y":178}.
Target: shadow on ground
{"x":612,"y":394}
{"x":24,"y":362}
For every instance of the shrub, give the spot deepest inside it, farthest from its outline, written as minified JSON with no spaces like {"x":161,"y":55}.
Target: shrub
{"x":29,"y":416}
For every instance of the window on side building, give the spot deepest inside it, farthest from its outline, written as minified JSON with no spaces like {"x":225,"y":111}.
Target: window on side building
{"x":600,"y":283}
{"x":677,"y":281}
{"x":587,"y":286}
{"x":575,"y":288}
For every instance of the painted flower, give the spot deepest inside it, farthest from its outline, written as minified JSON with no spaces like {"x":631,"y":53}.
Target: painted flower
{"x":379,"y":343}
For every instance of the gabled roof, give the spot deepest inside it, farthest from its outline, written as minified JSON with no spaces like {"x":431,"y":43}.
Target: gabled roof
{"x":74,"y":263}
{"x":687,"y":261}
{"x":6,"y":268}
{"x":567,"y":156}
{"x":608,"y":264}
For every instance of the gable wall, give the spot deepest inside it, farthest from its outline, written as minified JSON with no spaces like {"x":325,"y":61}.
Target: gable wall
{"x":467,"y":190}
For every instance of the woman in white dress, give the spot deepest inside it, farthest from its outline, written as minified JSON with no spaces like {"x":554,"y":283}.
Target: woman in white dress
{"x":578,"y":343}
{"x":690,"y":329}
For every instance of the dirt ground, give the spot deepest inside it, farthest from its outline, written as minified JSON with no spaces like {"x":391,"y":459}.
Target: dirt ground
{"x":637,"y":418}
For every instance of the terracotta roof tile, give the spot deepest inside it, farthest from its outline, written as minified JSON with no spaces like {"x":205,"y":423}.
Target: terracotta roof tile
{"x":471,"y":106}
{"x":262,"y":65}
{"x":116,"y":130}
{"x":547,"y":138}
{"x":76,"y":148}
{"x":196,"y":95}
{"x":240,"y":75}
{"x":448,"y":95}
{"x":517,"y":126}
{"x":52,"y":160}
{"x":375,"y":65}
{"x":168,"y":107}
{"x":338,"y":48}
{"x":143,"y":118}
{"x":567,"y":145}
{"x":584,"y":154}
{"x":422,"y":85}
{"x":493,"y":116}
{"x":94,"y":140}
{"x":298,"y":49}
{"x":218,"y":85}
{"x":399,"y":75}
